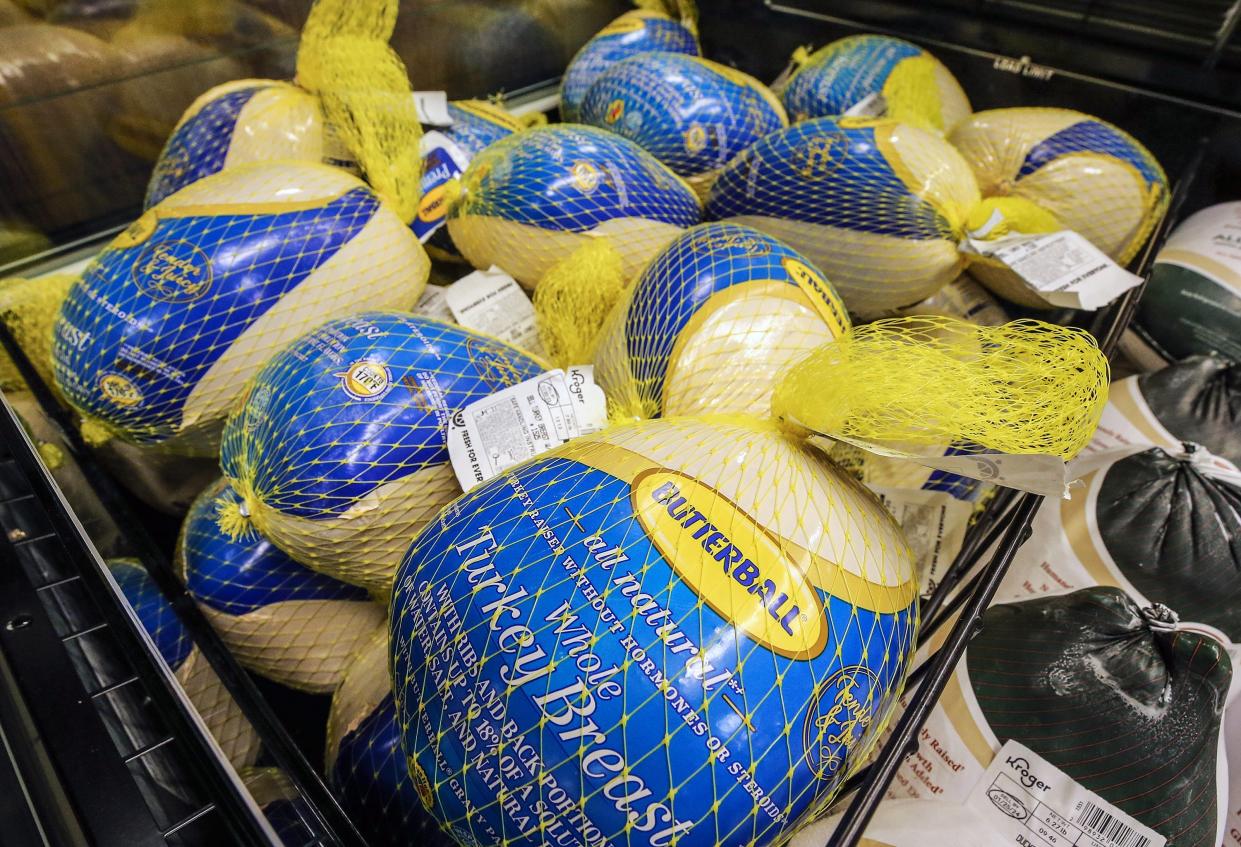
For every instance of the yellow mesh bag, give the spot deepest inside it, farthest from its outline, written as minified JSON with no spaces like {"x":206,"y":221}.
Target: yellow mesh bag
{"x":1023,"y":387}
{"x":695,"y":628}
{"x":718,"y":613}
{"x":642,"y":98}
{"x":156,"y":341}
{"x":530,"y":200}
{"x":28,"y":308}
{"x":366,"y":766}
{"x":914,"y":87}
{"x":883,"y":207}
{"x":337,"y":450}
{"x":280,"y":620}
{"x":223,"y":717}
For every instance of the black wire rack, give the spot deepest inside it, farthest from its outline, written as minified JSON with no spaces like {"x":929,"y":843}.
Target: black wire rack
{"x":77,"y":672}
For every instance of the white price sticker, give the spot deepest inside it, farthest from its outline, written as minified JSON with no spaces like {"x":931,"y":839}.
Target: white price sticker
{"x":491,"y":301}
{"x":432,"y":108}
{"x":522,"y":421}
{"x":871,"y":106}
{"x":1036,"y":804}
{"x":1061,"y":267}
{"x":434,"y":304}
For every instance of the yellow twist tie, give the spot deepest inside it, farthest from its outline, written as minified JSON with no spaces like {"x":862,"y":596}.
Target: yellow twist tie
{"x":235,"y":518}
{"x":1024,"y":387}
{"x":95,"y":432}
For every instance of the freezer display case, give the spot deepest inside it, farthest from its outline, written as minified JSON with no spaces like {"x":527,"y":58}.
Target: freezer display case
{"x":127,"y":710}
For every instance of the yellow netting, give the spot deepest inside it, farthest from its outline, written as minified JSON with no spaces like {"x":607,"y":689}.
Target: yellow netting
{"x":529,"y":200}
{"x":337,"y":450}
{"x":28,"y":307}
{"x":709,"y":324}
{"x":912,"y":92}
{"x":225,"y":273}
{"x":1024,"y":387}
{"x":345,"y":59}
{"x":573,"y":300}
{"x":915,"y":87}
{"x":1084,"y":173}
{"x":685,"y":11}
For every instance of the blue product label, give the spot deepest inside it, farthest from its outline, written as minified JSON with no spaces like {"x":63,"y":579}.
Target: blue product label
{"x":823,"y":173}
{"x":359,"y":402}
{"x":440,"y":166}
{"x":844,"y":73}
{"x":240,"y":576}
{"x":1093,"y":137}
{"x":573,"y":178}
{"x":199,"y":146}
{"x":160,"y":306}
{"x":583,"y":656}
{"x":703,"y":262}
{"x":628,"y":35}
{"x":153,"y":611}
{"x":692,"y":115}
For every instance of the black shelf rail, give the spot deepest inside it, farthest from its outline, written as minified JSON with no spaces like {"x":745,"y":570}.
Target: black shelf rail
{"x":63,"y":727}
{"x":320,"y":812}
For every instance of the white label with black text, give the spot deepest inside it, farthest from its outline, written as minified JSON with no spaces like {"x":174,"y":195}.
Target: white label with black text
{"x":522,"y":421}
{"x":491,"y":301}
{"x":1035,"y":804}
{"x":1061,"y":267}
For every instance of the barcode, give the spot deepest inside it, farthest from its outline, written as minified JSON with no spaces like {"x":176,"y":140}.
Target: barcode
{"x":1106,"y":825}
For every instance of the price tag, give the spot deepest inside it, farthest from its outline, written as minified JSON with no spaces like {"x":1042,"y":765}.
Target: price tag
{"x":491,"y":301}
{"x":1035,"y":803}
{"x":494,"y":433}
{"x":432,"y":108}
{"x":1061,"y":267}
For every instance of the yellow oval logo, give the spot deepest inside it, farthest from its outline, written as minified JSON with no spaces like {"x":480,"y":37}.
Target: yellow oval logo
{"x":695,"y":138}
{"x":586,"y":177}
{"x":616,"y":111}
{"x":431,"y":208}
{"x":731,"y":562}
{"x":821,"y":295}
{"x":119,"y":390}
{"x":366,"y":380}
